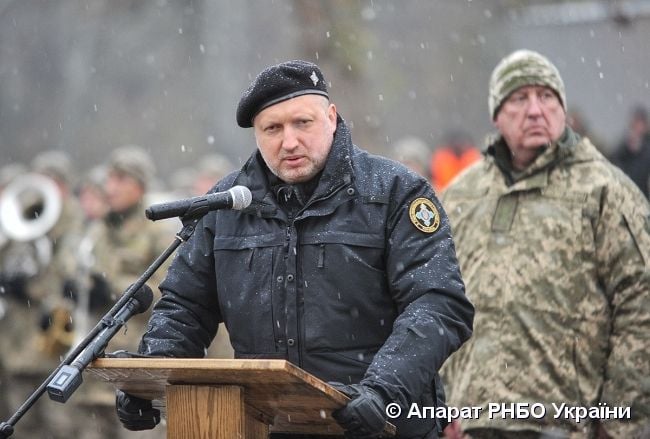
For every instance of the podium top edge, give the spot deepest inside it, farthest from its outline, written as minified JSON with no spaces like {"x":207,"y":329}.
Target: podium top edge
{"x":193,"y":363}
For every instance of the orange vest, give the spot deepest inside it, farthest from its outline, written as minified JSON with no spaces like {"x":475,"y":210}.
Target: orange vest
{"x":445,"y":165}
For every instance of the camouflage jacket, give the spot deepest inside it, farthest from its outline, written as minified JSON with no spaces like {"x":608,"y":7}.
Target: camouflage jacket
{"x":556,"y":260}
{"x":123,"y":248}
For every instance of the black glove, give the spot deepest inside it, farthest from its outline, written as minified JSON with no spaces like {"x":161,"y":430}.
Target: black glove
{"x":365,"y":415}
{"x":135,"y":413}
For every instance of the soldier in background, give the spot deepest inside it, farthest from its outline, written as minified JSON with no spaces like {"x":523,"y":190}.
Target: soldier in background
{"x":554,"y":247}
{"x":37,"y":327}
{"x":125,"y":243}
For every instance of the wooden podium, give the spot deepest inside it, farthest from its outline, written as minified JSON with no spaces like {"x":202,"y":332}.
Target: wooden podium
{"x":226,"y":399}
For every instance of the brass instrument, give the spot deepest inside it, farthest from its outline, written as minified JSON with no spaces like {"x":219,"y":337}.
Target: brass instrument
{"x":29,"y":207}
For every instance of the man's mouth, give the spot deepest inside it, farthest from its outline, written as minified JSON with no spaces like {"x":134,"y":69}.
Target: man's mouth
{"x":537,"y":129}
{"x":293,"y":160}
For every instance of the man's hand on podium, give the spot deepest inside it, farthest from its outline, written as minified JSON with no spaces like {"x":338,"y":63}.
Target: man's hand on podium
{"x":135,"y":413}
{"x":365,"y":415}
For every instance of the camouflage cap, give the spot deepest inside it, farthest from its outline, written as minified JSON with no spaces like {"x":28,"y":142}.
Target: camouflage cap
{"x":521,"y":68}
{"x":134,"y":161}
{"x":54,"y":164}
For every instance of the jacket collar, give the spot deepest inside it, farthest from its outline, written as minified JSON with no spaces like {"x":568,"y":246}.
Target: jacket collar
{"x":338,"y":170}
{"x":536,"y":174}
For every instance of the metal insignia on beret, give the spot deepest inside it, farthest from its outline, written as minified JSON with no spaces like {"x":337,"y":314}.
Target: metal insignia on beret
{"x":314,"y":78}
{"x":424,"y":215}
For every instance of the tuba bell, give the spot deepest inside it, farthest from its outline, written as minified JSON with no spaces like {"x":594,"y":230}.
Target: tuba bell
{"x":29,"y":207}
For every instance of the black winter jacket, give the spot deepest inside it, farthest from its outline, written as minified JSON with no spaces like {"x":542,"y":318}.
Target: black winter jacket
{"x":348,"y":289}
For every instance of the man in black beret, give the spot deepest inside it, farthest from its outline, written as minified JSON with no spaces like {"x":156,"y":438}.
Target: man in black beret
{"x":343,"y":264}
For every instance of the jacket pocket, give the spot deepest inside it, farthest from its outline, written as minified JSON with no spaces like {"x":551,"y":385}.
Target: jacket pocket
{"x":346,"y":299}
{"x":245,"y":289}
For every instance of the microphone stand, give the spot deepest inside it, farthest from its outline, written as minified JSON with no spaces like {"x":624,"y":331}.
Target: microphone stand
{"x":189,"y":224}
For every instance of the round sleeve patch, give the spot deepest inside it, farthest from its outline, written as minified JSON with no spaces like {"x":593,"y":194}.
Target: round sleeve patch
{"x":424,"y":215}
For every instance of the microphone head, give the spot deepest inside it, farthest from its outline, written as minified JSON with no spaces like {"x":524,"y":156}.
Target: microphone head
{"x":241,"y":197}
{"x":144,"y":296}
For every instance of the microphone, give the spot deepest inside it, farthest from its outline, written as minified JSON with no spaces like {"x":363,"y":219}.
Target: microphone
{"x":237,"y":198}
{"x":68,"y":378}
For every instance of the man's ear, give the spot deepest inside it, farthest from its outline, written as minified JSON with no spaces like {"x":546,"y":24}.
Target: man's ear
{"x":331,"y":113}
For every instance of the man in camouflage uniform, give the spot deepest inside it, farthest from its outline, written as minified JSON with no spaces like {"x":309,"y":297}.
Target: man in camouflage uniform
{"x":554,"y":246}
{"x":124,"y":243}
{"x":36,"y":328}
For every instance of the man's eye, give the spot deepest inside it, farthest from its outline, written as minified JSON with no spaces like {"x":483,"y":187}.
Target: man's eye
{"x":517,"y":98}
{"x":547,"y":95}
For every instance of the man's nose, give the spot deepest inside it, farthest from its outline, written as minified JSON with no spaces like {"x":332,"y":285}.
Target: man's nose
{"x":534,"y":106}
{"x":290,"y":138}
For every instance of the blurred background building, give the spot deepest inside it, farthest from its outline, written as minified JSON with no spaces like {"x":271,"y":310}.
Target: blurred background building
{"x":88,"y":76}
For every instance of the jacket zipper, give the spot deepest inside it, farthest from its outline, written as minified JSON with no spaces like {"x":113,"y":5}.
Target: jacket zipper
{"x":300,"y":301}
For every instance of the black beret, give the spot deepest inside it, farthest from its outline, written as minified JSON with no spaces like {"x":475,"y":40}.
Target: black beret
{"x":279,"y":83}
